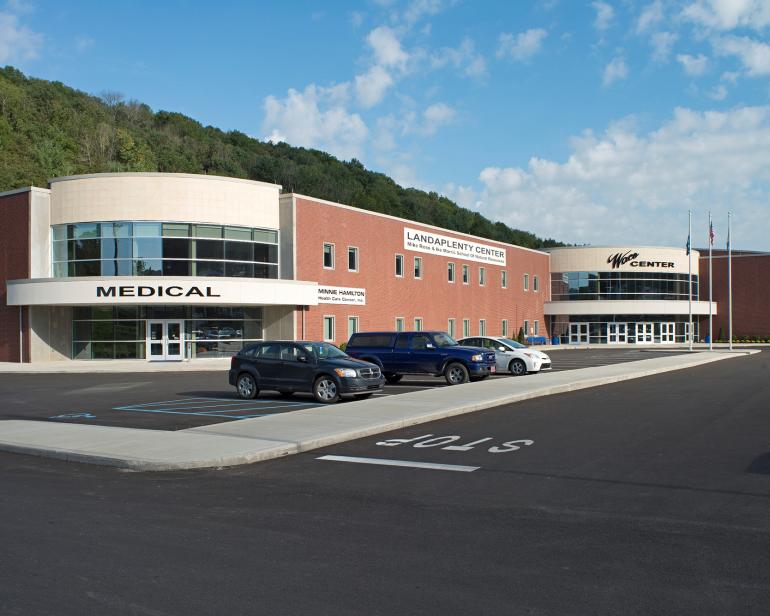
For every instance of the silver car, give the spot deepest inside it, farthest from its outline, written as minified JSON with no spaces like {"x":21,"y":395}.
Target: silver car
{"x":511,"y":356}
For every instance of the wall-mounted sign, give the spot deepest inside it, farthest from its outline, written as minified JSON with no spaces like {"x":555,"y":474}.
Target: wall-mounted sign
{"x":341,"y":295}
{"x":446,"y":246}
{"x":632,"y":259}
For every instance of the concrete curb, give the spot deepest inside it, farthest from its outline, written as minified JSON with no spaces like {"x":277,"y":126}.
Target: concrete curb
{"x":253,"y":440}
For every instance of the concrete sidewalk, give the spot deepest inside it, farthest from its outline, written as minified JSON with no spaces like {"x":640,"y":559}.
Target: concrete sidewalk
{"x":103,"y":366}
{"x":252,"y":440}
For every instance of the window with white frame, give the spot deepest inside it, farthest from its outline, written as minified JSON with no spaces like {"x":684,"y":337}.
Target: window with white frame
{"x":466,"y":328}
{"x":329,"y":329}
{"x":466,"y":274}
{"x":418,"y":324}
{"x":537,"y":328}
{"x":482,"y":327}
{"x":526,"y":282}
{"x":328,"y":256}
{"x":352,"y":259}
{"x":450,"y":272}
{"x":450,"y":329}
{"x":504,"y":328}
{"x":399,"y":266}
{"x":526,"y":328}
{"x":535,"y":283}
{"x":400,"y":323}
{"x":352,"y":326}
{"x":504,"y":279}
{"x":482,"y":276}
{"x":418,"y":267}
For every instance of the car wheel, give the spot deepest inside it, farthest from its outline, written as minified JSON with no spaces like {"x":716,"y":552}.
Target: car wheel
{"x":325,"y":390}
{"x":246,"y":387}
{"x":286,"y":394}
{"x":456,"y":374}
{"x":362,"y":396}
{"x":517,"y":367}
{"x":393,"y":378}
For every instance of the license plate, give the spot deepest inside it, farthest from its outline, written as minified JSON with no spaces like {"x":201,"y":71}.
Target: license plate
{"x":493,"y":369}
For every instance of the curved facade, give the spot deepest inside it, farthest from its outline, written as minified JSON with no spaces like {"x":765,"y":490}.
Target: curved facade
{"x":624,"y":294}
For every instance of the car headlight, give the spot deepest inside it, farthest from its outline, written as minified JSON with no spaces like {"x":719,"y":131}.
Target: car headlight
{"x":345,"y":372}
{"x":532,"y":355}
{"x":477,"y":357}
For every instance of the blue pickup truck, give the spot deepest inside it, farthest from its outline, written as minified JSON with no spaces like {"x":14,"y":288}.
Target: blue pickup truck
{"x":436,"y":353}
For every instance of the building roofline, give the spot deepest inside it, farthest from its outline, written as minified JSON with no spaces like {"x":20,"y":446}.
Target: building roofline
{"x":30,"y":189}
{"x":412,"y":222}
{"x":617,"y":246}
{"x":197,"y":176}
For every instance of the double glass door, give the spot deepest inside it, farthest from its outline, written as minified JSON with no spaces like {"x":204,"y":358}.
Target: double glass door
{"x":165,"y":340}
{"x":578,"y":333}
{"x":667,"y":333}
{"x":617,"y":333}
{"x":644,"y":333}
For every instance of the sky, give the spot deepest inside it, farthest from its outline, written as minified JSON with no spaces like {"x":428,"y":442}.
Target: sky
{"x":592,"y":122}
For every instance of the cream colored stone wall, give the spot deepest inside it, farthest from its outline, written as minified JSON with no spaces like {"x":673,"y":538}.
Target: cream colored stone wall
{"x":594,"y":259}
{"x":164,"y":197}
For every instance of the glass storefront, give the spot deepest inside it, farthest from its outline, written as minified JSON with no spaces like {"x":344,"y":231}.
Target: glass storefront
{"x":163,"y":249}
{"x":621,"y":329}
{"x":121,"y":332}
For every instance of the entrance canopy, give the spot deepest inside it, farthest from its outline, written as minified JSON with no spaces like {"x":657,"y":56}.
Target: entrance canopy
{"x":148,"y":290}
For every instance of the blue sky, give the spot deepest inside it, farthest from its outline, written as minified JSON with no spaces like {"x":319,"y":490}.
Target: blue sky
{"x":597,"y":122}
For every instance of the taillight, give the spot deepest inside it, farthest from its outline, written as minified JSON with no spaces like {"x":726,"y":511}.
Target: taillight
{"x":233,"y":359}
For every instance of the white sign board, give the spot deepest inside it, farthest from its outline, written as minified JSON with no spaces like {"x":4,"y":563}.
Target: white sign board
{"x":446,"y":246}
{"x":341,"y":295}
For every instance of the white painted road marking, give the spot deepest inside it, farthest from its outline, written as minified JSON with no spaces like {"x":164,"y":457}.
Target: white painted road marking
{"x":428,"y":465}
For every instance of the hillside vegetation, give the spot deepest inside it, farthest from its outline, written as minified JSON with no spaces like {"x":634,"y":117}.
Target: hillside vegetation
{"x":48,"y":129}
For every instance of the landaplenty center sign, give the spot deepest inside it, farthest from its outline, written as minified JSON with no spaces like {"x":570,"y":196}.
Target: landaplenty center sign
{"x":446,"y":246}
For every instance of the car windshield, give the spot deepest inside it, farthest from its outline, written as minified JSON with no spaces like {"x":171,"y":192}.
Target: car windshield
{"x":323,"y":350}
{"x":444,"y":340}
{"x":512,"y":343}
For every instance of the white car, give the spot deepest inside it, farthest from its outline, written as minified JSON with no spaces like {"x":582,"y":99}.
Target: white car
{"x":511,"y":356}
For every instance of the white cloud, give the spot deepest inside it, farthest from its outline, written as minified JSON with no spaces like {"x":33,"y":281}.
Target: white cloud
{"x":464,"y":196}
{"x":615,"y":71}
{"x":317,"y":118}
{"x":693,"y":65}
{"x":387,"y":48}
{"x":522,"y":46}
{"x":650,"y":16}
{"x":604,"y":15}
{"x":436,"y":116}
{"x":464,"y":58}
{"x":357,"y":18}
{"x":642,"y":184}
{"x":83,"y":44}
{"x":729,"y":14}
{"x":719,"y":93}
{"x":417,"y":9}
{"x":17,"y":42}
{"x":754,"y":55}
{"x":372,"y":85}
{"x":662,"y":42}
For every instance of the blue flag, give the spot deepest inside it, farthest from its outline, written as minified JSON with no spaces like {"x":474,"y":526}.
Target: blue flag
{"x":688,"y":244}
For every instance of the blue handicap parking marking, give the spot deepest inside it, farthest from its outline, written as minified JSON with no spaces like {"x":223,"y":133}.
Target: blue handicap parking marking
{"x":74,"y":416}
{"x":226,"y":408}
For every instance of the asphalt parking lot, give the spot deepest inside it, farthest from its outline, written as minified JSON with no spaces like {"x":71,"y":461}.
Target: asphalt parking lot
{"x":180,"y":400}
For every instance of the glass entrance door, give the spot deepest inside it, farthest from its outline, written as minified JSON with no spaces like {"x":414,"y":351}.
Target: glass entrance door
{"x":617,"y":333}
{"x":165,"y":340}
{"x":667,"y":333}
{"x":578,"y":333}
{"x":644,"y":333}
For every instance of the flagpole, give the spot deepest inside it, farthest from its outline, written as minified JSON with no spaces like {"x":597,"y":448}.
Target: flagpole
{"x":689,"y":277}
{"x":729,"y":283}
{"x":711,"y":278}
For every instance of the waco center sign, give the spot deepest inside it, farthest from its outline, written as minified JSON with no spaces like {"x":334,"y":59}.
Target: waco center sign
{"x":446,"y":246}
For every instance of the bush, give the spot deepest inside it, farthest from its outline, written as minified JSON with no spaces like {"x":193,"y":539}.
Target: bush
{"x":520,"y":336}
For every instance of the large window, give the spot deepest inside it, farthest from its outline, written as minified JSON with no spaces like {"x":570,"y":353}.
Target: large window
{"x":119,"y":332}
{"x":450,"y":272}
{"x":329,"y":329}
{"x":328,"y":256}
{"x":163,"y":249}
{"x":352,"y":259}
{"x":621,"y":285}
{"x":418,"y":267}
{"x":400,"y":266}
{"x":451,"y":327}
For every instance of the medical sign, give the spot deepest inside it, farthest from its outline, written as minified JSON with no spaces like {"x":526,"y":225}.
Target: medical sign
{"x":341,"y":295}
{"x":446,"y":246}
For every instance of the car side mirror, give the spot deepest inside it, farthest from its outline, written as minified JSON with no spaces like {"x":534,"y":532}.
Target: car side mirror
{"x":501,"y":348}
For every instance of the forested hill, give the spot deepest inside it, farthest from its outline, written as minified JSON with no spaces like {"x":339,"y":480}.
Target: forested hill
{"x":49,"y":130}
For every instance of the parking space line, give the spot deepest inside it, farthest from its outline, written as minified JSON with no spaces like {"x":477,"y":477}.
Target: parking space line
{"x":404,"y":463}
{"x":198,"y":414}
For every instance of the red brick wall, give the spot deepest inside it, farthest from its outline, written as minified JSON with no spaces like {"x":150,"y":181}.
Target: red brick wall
{"x":751,"y":293}
{"x":14,"y":264}
{"x":433,"y":298}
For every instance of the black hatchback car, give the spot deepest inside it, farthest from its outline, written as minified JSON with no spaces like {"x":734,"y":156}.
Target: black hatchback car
{"x":289,"y":367}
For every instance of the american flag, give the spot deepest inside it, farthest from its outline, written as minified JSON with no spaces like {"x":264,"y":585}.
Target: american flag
{"x":712,"y":235}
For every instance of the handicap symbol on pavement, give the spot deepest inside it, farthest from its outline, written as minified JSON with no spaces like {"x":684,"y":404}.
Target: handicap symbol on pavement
{"x":74,"y":416}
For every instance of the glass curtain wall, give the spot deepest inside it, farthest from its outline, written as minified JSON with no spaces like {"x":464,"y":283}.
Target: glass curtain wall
{"x":570,"y":286}
{"x":163,"y":249}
